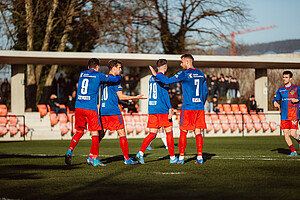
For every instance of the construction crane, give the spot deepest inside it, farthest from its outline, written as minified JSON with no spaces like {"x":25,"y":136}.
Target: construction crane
{"x":232,"y":48}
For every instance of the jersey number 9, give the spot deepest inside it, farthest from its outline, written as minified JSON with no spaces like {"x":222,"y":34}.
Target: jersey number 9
{"x":84,"y":86}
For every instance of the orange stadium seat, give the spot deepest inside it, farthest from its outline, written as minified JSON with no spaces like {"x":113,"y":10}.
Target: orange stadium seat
{"x":13,"y":119}
{"x":273,"y":126}
{"x":262,"y":117}
{"x":214,"y":118}
{"x":265,"y":125}
{"x":62,"y":117}
{"x":240,"y":125}
{"x":249,"y":126}
{"x":227,"y":108}
{"x":146,"y":128}
{"x":223,"y":118}
{"x":231,"y":118}
{"x":138,"y":127}
{"x":217,"y":126}
{"x":128,"y":118}
{"x":247,"y":118}
{"x":145,"y":117}
{"x":3,"y":110}
{"x":225,"y":126}
{"x":235,"y":108}
{"x":53,"y":119}
{"x":129,"y":128}
{"x":3,"y":129}
{"x":62,"y":106}
{"x":209,"y":127}
{"x":42,"y":109}
{"x":63,"y":128}
{"x":3,"y":120}
{"x":23,"y":129}
{"x":207,"y":118}
{"x":233,"y":126}
{"x":257,"y":126}
{"x":220,"y":107}
{"x":243,"y":108}
{"x":13,"y":129}
{"x":136,"y":117}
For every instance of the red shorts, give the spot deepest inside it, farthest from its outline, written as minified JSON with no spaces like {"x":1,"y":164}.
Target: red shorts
{"x":85,"y":117}
{"x":289,"y":124}
{"x":158,"y":120}
{"x":112,"y":122}
{"x":192,"y":119}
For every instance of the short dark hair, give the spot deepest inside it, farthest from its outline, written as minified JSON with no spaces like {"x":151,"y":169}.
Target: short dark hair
{"x":252,"y":96}
{"x":113,"y":63}
{"x":288,"y":72}
{"x":187,"y":55}
{"x":93,"y":62}
{"x":161,"y":62}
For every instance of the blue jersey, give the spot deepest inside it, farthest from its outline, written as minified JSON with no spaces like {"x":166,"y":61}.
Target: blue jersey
{"x":159,"y":100}
{"x":194,"y":88}
{"x":88,"y":88}
{"x":109,"y":100}
{"x":289,"y":110}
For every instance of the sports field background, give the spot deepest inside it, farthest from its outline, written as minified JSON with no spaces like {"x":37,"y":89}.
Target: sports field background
{"x":234,"y":168}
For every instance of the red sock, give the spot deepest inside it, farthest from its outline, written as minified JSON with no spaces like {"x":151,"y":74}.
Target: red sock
{"x":95,"y":146}
{"x":124,"y":147}
{"x":75,"y":139}
{"x":147,"y":141}
{"x":292,"y":148}
{"x":182,"y":142}
{"x":199,"y":142}
{"x":170,"y":142}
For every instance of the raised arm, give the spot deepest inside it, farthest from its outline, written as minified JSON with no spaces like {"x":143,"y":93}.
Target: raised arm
{"x":109,"y":78}
{"x":126,"y":97}
{"x":180,"y":76}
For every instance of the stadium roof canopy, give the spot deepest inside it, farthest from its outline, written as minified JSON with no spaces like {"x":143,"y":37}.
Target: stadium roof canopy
{"x":143,"y":60}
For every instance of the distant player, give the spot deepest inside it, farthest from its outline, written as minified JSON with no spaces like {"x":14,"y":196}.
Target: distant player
{"x":289,"y":95}
{"x":160,"y":113}
{"x":110,"y":113}
{"x":86,"y":111}
{"x":192,"y":116}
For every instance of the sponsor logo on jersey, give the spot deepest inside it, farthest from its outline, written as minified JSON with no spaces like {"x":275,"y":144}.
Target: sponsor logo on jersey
{"x":80,"y":97}
{"x":196,"y":100}
{"x":89,"y":76}
{"x":190,"y":75}
{"x":152,"y":103}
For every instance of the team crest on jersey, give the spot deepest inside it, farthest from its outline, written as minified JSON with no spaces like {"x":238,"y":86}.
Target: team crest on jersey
{"x":292,"y":92}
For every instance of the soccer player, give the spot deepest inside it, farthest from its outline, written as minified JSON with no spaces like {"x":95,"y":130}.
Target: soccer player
{"x":86,"y":111}
{"x":289,"y":94}
{"x":110,"y":113}
{"x":160,"y":113}
{"x":192,"y":116}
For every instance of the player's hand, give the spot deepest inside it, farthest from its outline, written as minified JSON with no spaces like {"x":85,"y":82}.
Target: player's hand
{"x":140,"y":96}
{"x":171,"y":112}
{"x":295,"y":100}
{"x":276,"y":104}
{"x":152,"y":70}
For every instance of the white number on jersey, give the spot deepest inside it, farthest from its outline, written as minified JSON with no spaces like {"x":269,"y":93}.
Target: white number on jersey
{"x":84,"y":86}
{"x":197,"y":83}
{"x":104,"y":90}
{"x":153,"y":90}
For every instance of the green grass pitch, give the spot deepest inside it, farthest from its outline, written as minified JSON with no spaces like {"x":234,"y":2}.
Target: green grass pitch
{"x":234,"y":168}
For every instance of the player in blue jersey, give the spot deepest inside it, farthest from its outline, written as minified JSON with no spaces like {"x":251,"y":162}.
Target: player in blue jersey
{"x":110,"y":113}
{"x":289,"y":96}
{"x":160,"y":113}
{"x":86,"y":111}
{"x":192,"y":116}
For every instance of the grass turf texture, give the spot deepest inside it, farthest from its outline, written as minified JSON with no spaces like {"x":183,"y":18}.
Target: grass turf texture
{"x":234,"y":168}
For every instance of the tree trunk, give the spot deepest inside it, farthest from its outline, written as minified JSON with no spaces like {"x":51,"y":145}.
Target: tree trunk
{"x":61,"y":48}
{"x":45,"y":47}
{"x":31,"y":83}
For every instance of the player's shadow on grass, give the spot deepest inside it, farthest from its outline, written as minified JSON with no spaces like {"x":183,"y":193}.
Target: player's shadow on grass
{"x":282,"y":151}
{"x":26,"y":156}
{"x":206,"y":156}
{"x":116,"y":158}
